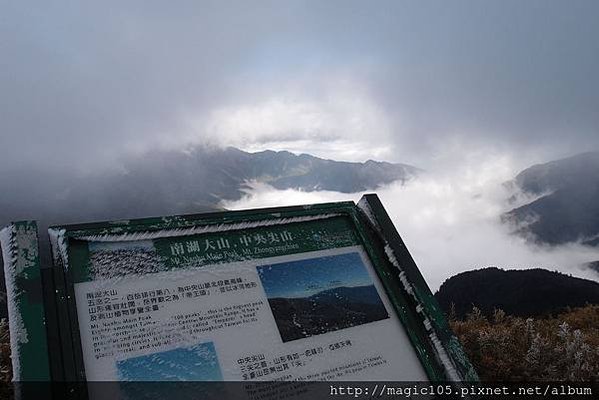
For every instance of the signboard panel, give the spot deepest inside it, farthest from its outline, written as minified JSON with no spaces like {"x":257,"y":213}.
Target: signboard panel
{"x":304,"y":316}
{"x":321,"y":292}
{"x":298,"y":300}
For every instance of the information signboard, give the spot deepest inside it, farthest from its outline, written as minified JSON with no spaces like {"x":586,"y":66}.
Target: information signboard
{"x":308,"y":293}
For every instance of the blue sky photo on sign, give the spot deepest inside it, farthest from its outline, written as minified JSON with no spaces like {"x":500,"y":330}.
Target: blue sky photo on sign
{"x":307,"y":277}
{"x":195,"y":363}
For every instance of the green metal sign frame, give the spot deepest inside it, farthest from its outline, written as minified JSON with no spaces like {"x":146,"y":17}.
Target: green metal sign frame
{"x":366,"y":224}
{"x":26,"y":314}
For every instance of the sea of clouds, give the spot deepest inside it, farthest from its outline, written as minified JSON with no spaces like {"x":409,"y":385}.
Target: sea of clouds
{"x":450,"y":221}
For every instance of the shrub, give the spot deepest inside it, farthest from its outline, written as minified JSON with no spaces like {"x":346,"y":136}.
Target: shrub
{"x":501,"y":347}
{"x":507,"y":348}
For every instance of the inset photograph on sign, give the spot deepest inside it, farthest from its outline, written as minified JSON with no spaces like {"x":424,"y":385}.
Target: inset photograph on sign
{"x":314,"y":296}
{"x":194,"y":363}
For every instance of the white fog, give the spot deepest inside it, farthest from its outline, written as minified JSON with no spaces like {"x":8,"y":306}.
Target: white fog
{"x":450,"y":221}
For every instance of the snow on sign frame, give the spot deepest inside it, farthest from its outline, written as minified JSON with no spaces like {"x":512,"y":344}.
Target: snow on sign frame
{"x":318,"y":292}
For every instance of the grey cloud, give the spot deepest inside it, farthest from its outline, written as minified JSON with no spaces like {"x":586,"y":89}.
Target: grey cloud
{"x":80,"y":85}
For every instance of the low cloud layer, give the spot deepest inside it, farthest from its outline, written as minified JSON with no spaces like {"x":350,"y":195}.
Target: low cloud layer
{"x":450,"y":222}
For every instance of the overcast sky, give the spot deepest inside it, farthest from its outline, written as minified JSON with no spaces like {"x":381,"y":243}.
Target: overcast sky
{"x":419,"y":82}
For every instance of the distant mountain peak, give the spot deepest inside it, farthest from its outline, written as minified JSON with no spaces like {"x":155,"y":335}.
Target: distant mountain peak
{"x":191,"y":180}
{"x":558,"y":174}
{"x":567,"y":209}
{"x":527,"y":292}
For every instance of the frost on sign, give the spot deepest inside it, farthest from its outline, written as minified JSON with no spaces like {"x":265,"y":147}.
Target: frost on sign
{"x":291,"y":294}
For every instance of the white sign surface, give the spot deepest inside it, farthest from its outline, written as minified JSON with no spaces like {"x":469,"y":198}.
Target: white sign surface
{"x":321,"y":315}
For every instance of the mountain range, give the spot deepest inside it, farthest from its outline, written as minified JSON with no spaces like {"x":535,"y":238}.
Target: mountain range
{"x":179,"y":182}
{"x":166,"y":182}
{"x":564,"y":206}
{"x":326,"y":311}
{"x":344,"y":294}
{"x":566,"y":201}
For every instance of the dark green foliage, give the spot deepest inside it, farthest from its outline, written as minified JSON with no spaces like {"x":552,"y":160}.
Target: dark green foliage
{"x":518,"y":292}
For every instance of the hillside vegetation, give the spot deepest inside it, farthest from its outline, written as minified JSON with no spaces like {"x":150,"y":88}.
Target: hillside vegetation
{"x":508,"y":348}
{"x":525,"y":293}
{"x":501,"y":347}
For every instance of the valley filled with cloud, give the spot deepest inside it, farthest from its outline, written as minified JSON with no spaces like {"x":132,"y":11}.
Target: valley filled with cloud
{"x":450,"y":221}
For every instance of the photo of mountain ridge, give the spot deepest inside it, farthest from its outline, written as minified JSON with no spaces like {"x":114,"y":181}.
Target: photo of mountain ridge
{"x":327,"y":311}
{"x":320,"y":295}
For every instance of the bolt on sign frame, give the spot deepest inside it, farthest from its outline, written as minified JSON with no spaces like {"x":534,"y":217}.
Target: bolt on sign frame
{"x":55,"y":352}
